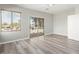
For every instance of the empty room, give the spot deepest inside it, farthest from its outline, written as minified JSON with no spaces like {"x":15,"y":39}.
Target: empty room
{"x":39,"y":28}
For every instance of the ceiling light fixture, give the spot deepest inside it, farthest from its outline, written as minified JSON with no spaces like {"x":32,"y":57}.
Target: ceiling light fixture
{"x":49,"y":6}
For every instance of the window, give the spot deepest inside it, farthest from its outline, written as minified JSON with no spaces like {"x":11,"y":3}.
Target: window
{"x":6,"y":21}
{"x":10,"y":21}
{"x":16,"y":21}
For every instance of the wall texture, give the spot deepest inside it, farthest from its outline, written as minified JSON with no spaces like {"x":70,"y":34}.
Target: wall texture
{"x":60,"y":24}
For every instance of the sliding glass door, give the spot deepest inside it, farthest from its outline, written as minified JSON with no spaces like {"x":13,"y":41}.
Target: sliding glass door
{"x":41,"y":26}
{"x":36,"y":27}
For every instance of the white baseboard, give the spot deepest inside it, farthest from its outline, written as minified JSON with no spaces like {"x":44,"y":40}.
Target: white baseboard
{"x":48,"y":34}
{"x":61,"y":34}
{"x":73,"y":39}
{"x":14,"y":40}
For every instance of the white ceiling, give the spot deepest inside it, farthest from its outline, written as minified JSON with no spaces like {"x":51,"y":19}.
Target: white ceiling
{"x":55,"y":8}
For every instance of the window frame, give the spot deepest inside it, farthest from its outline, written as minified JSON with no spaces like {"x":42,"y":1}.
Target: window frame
{"x":11,"y":20}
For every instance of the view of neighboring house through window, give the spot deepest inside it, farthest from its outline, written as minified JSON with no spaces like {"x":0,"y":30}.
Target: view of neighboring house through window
{"x":10,"y":21}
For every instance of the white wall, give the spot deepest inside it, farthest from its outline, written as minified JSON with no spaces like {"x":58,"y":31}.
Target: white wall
{"x":60,"y":22}
{"x":24,"y":33}
{"x":73,"y":27}
{"x":73,"y":23}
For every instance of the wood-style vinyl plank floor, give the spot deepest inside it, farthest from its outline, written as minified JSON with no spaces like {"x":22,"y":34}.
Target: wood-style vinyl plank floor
{"x":51,"y":44}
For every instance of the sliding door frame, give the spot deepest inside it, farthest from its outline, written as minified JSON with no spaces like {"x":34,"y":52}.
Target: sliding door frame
{"x":37,"y":30}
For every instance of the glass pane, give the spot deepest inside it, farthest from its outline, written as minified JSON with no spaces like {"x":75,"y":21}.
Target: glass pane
{"x":6,"y":21}
{"x":40,"y":26}
{"x":36,"y":27}
{"x":0,"y":21}
{"x":33,"y":25}
{"x":16,"y":21}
